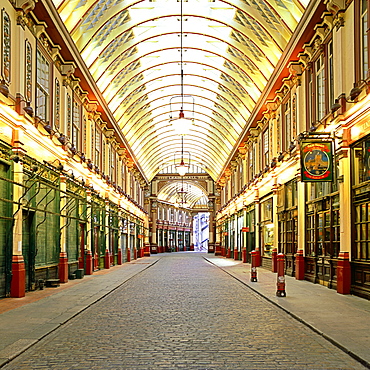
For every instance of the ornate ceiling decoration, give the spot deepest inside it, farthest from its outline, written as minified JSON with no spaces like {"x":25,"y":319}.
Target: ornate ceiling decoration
{"x":132,"y":49}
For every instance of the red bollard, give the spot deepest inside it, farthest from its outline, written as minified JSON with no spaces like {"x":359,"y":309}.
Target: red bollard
{"x":254,"y":266}
{"x":280,"y":275}
{"x":274,"y":260}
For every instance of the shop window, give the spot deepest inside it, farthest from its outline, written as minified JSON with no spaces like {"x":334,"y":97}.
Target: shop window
{"x":6,"y":46}
{"x":112,"y":164}
{"x":76,"y":126}
{"x":97,"y":147}
{"x":291,"y":194}
{"x":104,"y":154}
{"x":265,"y":148}
{"x":287,"y":124}
{"x":57,"y":105}
{"x":123,"y":176}
{"x":267,"y":227}
{"x":42,"y":86}
{"x":362,"y":39}
{"x":288,"y":220}
{"x":320,"y":80}
{"x":323,"y":227}
{"x":362,"y":234}
{"x":28,"y":82}
{"x":361,"y":162}
{"x":320,"y":87}
{"x":250,"y":163}
{"x":330,"y":73}
{"x":69,"y":115}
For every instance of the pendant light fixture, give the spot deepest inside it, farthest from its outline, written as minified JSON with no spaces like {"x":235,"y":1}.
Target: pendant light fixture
{"x":184,"y":165}
{"x":181,"y":124}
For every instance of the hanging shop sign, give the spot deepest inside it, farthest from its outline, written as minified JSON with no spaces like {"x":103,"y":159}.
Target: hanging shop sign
{"x":245,"y":229}
{"x":316,"y":161}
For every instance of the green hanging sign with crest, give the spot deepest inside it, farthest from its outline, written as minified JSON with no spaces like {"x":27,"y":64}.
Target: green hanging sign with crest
{"x":316,"y":161}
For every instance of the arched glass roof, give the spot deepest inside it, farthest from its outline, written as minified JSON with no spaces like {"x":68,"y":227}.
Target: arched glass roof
{"x":184,"y":193}
{"x":229,"y":50}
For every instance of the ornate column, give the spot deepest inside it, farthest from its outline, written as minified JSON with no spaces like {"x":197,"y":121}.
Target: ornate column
{"x":89,"y":261}
{"x":63,"y":257}
{"x":344,"y":267}
{"x":106,"y":224}
{"x":147,"y":224}
{"x":18,"y":282}
{"x":212,"y":236}
{"x":153,"y":226}
{"x":257,"y":227}
{"x":301,"y":238}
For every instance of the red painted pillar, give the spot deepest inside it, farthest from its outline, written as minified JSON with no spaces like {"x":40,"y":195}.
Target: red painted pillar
{"x":280,"y":292}
{"x":89,"y":263}
{"x":119,"y":258}
{"x":218,"y":250}
{"x":228,"y":253}
{"x":107,"y":259}
{"x":258,"y":257}
{"x":96,"y":262}
{"x":135,"y":254}
{"x":192,"y":247}
{"x":18,"y":283}
{"x":299,"y":265}
{"x":236,"y":254}
{"x":244,"y":255}
{"x":344,"y":274}
{"x":128,"y":255}
{"x":274,"y":260}
{"x":254,"y":266}
{"x":63,"y":267}
{"x":146,"y":250}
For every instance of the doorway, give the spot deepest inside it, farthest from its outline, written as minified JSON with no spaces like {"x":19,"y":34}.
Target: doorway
{"x":201,"y":231}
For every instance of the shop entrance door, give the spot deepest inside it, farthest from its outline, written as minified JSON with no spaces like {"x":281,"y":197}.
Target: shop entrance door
{"x":81,"y":258}
{"x":95,"y":251}
{"x":29,"y":249}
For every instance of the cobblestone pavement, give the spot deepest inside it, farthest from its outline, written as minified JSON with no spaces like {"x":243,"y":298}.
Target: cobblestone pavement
{"x":183,"y":313}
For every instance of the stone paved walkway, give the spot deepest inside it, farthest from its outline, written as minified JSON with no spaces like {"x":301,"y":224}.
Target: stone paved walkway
{"x":182,"y":313}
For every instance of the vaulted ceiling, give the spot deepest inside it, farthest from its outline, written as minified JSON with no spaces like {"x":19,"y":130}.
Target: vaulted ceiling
{"x":135,"y":50}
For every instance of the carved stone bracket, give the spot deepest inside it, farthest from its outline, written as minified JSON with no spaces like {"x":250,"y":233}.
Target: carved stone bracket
{"x":25,"y":5}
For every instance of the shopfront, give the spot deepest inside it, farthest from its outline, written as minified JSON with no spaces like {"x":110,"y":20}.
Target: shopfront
{"x":249,"y":232}
{"x":322,"y":233}
{"x":360,"y":162}
{"x":287,"y":214}
{"x":266,"y":231}
{"x":239,"y":235}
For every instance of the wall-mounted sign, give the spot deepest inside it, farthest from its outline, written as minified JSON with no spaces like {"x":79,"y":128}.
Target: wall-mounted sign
{"x":245,"y":229}
{"x":316,"y":161}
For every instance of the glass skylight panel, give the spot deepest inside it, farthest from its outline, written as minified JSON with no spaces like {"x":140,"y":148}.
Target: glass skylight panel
{"x":133,"y":52}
